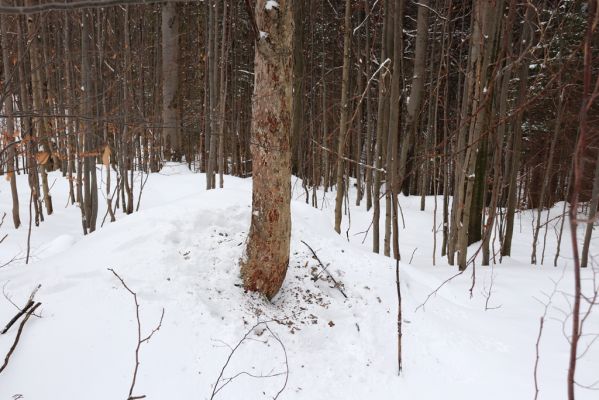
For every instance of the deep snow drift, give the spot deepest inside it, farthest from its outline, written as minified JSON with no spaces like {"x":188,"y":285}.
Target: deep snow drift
{"x":181,"y":252}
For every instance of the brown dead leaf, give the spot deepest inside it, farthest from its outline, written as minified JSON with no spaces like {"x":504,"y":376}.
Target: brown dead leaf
{"x":42,"y":157}
{"x":106,"y":156}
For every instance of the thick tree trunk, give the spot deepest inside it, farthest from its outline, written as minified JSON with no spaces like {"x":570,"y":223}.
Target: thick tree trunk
{"x":266,"y":257}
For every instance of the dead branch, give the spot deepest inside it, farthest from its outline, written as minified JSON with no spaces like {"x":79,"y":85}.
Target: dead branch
{"x":324,"y":269}
{"x":434,"y":292}
{"x":21,"y":312}
{"x":19,"y":332}
{"x":76,"y":5}
{"x":216,"y":388}
{"x":140,"y":340}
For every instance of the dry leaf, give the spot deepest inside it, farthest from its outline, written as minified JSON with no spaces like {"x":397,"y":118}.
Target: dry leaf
{"x":106,"y":156}
{"x":42,"y":157}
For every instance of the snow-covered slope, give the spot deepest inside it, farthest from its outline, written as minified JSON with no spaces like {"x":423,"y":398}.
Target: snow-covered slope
{"x":180,"y":253}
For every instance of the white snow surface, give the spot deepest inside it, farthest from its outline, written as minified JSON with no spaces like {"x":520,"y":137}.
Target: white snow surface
{"x":180,"y":252}
{"x":271,"y":4}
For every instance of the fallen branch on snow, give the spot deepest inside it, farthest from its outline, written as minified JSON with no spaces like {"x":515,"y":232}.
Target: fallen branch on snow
{"x":216,"y":388}
{"x":19,"y":332}
{"x":30,"y":303}
{"x":324,"y":269}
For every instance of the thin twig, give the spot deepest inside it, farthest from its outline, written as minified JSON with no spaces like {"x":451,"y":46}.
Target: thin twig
{"x":438,"y":288}
{"x":140,"y":340}
{"x":216,"y":388}
{"x":337,"y":285}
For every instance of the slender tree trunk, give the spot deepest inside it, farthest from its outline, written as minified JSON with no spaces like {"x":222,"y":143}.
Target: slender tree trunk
{"x":592,"y":217}
{"x":395,"y":107}
{"x":516,"y":150}
{"x":223,"y":98}
{"x":38,"y":123}
{"x":343,"y":128}
{"x":382,"y":110}
{"x":11,"y":158}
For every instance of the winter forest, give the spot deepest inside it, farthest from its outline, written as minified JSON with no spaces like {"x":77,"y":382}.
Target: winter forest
{"x":309,"y":199}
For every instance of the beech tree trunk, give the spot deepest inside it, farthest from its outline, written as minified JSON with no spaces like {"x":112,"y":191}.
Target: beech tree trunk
{"x":170,"y":82}
{"x":266,"y":257}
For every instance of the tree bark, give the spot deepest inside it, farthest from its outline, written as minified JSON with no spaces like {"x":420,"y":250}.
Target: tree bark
{"x":170,"y":82}
{"x":266,"y":257}
{"x":11,"y":158}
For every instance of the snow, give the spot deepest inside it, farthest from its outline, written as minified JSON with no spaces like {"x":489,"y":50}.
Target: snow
{"x":271,"y":4}
{"x":180,"y":252}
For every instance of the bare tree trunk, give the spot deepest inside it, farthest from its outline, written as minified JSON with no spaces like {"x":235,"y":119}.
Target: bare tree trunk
{"x":213,"y":98}
{"x":506,"y":246}
{"x":395,"y":107}
{"x":381,"y":138}
{"x":90,"y":190}
{"x":266,"y":258}
{"x":38,"y":124}
{"x":170,"y":82}
{"x":417,"y":90}
{"x":298,"y":90}
{"x":343,"y":128}
{"x":11,"y":158}
{"x":592,"y":217}
{"x":369,"y":127}
{"x":223,"y":98}
{"x":69,"y":106}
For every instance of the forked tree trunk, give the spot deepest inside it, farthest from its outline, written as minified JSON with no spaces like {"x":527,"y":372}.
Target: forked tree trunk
{"x":266,"y":257}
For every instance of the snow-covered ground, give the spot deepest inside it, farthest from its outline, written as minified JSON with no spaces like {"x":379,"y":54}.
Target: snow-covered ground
{"x":180,"y":253}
